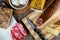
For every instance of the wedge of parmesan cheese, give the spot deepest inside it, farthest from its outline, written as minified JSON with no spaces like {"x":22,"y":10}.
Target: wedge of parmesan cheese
{"x":52,"y":31}
{"x":58,"y":28}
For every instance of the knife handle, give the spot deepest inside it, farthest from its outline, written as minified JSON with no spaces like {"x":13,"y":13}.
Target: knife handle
{"x":40,"y":34}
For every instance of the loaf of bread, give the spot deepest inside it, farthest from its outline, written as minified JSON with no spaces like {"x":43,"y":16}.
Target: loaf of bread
{"x":5,"y":16}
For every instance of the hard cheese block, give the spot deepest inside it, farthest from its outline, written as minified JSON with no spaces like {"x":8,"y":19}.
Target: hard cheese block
{"x":5,"y":16}
{"x":37,"y":4}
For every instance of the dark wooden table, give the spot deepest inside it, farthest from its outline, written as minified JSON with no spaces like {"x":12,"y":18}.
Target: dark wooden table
{"x":18,"y":17}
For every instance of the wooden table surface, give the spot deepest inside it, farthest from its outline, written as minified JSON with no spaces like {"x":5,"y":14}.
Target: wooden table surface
{"x":18,"y":17}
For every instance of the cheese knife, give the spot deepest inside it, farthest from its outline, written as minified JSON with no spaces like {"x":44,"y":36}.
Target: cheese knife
{"x":36,"y":30}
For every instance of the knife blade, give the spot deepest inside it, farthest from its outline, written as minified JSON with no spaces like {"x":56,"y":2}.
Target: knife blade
{"x":36,"y":30}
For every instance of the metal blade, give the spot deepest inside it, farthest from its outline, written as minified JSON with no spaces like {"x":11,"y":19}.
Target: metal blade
{"x":31,"y":24}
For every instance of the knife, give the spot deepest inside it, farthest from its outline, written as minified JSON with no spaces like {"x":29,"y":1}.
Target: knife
{"x":36,"y":30}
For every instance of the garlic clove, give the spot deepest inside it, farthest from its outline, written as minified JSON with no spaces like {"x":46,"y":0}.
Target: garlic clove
{"x":15,"y":2}
{"x":23,"y":2}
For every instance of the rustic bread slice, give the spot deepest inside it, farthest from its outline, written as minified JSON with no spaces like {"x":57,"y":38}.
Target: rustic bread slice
{"x":5,"y":16}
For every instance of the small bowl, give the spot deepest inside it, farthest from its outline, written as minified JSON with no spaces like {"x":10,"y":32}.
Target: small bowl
{"x":18,"y":8}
